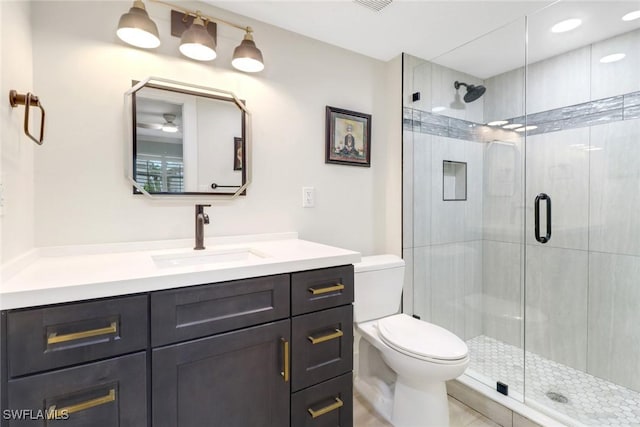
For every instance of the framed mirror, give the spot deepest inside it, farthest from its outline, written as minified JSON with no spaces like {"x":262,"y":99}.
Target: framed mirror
{"x":187,"y":140}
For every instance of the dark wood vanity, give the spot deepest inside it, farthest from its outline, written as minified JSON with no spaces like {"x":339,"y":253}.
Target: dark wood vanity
{"x":268,"y":351}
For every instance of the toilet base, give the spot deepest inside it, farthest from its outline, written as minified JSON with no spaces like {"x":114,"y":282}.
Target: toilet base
{"x":422,"y":406}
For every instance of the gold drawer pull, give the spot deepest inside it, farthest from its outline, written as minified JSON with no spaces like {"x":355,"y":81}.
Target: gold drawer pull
{"x":337,"y":334}
{"x":285,"y":360}
{"x":334,"y":288}
{"x":54,"y":338}
{"x":336,"y":405}
{"x":83,"y":406}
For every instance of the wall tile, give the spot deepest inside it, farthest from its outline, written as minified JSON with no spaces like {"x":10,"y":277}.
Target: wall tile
{"x":472,"y":299}
{"x":474,"y":156}
{"x":559,"y":81}
{"x":422,"y":189}
{"x":502,"y":291}
{"x":407,"y":189}
{"x":503,"y":204}
{"x":408,"y":285}
{"x":422,"y":282}
{"x":505,"y":96}
{"x":448,"y":287}
{"x":447,"y":217}
{"x":556,"y":304}
{"x":615,"y":197}
{"x":558,"y":165}
{"x":614,"y":336}
{"x":616,"y":78}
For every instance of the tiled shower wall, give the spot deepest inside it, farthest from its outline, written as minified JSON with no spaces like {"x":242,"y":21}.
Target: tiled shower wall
{"x":582,"y":294}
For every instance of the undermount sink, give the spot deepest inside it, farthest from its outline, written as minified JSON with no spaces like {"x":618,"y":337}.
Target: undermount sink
{"x":211,"y":256}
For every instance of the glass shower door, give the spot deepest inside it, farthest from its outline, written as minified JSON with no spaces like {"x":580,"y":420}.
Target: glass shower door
{"x":464,"y":199}
{"x":582,"y":224}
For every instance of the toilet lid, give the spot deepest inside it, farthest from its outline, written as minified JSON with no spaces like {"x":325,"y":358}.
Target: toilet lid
{"x":422,"y":339}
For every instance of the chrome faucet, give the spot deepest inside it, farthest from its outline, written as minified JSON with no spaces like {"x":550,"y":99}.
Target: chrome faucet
{"x":201,"y":219}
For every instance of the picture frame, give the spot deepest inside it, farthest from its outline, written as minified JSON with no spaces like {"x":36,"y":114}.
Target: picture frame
{"x":238,"y":155}
{"x":348,"y":137}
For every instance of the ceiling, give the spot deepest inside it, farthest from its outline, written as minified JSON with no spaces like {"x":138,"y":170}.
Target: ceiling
{"x":434,"y":30}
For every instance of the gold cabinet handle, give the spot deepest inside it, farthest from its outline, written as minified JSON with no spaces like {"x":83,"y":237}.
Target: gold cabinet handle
{"x":336,"y":405}
{"x":83,"y":406}
{"x":285,"y":360}
{"x":337,"y":334}
{"x":319,"y":291}
{"x":54,"y":338}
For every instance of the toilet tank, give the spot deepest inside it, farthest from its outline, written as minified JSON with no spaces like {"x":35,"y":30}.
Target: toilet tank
{"x":378,"y":287}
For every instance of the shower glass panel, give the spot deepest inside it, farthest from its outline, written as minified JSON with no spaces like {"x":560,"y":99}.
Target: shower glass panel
{"x":464,"y":245}
{"x":582,"y":296}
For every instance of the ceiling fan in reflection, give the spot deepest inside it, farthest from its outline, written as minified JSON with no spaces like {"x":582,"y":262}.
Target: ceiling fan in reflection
{"x":167,"y":126}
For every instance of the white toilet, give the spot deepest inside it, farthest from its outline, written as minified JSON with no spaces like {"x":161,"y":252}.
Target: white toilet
{"x":402,"y":362}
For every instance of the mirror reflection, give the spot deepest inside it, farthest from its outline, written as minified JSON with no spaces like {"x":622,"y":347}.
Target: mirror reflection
{"x":187,"y":142}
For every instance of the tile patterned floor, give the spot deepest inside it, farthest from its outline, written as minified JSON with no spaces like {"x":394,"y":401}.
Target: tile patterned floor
{"x":460,"y":415}
{"x":591,"y":400}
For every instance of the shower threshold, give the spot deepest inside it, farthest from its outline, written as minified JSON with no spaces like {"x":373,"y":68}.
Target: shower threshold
{"x":559,"y":390}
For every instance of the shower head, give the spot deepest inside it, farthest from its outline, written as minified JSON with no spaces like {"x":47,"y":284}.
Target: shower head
{"x":473,"y":92}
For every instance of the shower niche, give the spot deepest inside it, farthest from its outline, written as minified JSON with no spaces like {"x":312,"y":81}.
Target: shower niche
{"x":454,"y":181}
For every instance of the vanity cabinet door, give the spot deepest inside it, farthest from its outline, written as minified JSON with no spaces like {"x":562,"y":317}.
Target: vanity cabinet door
{"x":111,"y":393}
{"x":236,"y":379}
{"x":322,"y":346}
{"x":320,"y":289}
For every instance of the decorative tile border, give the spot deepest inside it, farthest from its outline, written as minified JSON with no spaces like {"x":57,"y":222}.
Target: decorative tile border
{"x":601,"y":111}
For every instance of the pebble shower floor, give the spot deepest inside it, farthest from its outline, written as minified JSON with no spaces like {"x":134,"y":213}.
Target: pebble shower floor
{"x":589,"y":400}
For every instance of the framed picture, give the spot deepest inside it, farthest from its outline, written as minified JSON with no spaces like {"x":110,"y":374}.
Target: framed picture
{"x":348,"y":137}
{"x":237,"y":154}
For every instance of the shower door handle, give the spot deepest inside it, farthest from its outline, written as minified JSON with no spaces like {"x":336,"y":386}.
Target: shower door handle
{"x":547,"y":237}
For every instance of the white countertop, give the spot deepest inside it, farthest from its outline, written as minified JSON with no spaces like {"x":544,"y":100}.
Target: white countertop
{"x":64,"y":274}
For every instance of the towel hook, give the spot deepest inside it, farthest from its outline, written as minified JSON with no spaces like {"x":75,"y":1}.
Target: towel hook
{"x":28,"y":100}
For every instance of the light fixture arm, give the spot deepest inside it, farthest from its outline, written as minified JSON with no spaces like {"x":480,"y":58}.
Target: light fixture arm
{"x":198,"y":14}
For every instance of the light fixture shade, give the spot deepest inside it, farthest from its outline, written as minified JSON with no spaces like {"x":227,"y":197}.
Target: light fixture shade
{"x":247,"y":57}
{"x":137,"y":29}
{"x":197,"y":43}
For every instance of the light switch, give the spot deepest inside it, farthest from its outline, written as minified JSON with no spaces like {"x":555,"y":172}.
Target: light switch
{"x":308,"y":197}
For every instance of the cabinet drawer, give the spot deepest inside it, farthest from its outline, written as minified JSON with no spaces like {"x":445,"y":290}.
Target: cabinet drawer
{"x":322,"y":346}
{"x":329,"y":404}
{"x":112,"y":393}
{"x":187,"y":313}
{"x":52,"y":337}
{"x":319,"y":289}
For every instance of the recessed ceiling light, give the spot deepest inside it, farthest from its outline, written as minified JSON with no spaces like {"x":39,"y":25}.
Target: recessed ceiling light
{"x":512,"y":126}
{"x":526,"y":128}
{"x":612,"y":58}
{"x":631,"y":15}
{"x":438,"y":109}
{"x":566,"y":25}
{"x":498,"y":123}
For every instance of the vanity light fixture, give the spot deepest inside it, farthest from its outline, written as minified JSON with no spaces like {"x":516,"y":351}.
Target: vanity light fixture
{"x":566,"y":25}
{"x":197,"y":33}
{"x":498,"y":123}
{"x":137,"y":29}
{"x":526,"y":128}
{"x":631,"y":16}
{"x":438,"y":109}
{"x":196,"y":43}
{"x":614,"y":57}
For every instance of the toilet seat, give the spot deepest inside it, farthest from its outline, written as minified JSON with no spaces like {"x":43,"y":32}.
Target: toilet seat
{"x":421,"y":340}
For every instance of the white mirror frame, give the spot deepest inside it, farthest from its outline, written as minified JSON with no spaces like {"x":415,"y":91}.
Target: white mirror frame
{"x":172,"y":84}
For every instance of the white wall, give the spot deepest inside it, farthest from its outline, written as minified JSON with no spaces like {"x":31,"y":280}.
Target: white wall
{"x":16,"y":167}
{"x":82,"y":71}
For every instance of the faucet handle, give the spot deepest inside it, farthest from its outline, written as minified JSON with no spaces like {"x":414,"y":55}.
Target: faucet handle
{"x":206,"y":218}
